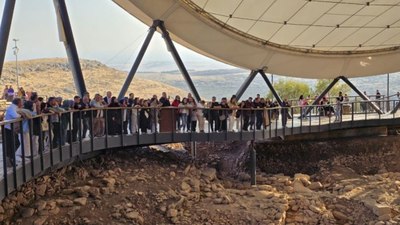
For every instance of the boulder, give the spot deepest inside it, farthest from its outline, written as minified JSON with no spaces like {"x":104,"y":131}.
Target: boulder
{"x":135,"y":216}
{"x":27,"y":212}
{"x":80,"y":201}
{"x":315,"y":186}
{"x":40,"y":221}
{"x":209,"y":174}
{"x":301,"y":175}
{"x":298,"y":186}
{"x":172,"y":213}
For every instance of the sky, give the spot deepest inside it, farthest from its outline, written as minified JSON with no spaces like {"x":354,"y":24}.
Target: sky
{"x":103,"y":31}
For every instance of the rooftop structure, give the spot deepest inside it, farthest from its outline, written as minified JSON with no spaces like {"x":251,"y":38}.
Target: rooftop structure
{"x":300,"y":38}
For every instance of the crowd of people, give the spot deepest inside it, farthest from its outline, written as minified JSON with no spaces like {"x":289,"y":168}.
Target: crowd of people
{"x":9,"y":93}
{"x":59,"y":122}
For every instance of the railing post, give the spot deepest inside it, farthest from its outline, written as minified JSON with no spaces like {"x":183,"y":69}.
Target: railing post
{"x":4,"y":151}
{"x":122,"y":126}
{"x":193,"y":148}
{"x":51,"y":127}
{"x":60,"y":134}
{"x":41,"y":143}
{"x":91,"y":121}
{"x":30,"y":126}
{"x":80,"y":124}
{"x":21,"y":133}
{"x":13,"y":150}
{"x":71,"y":132}
{"x":292,"y":110}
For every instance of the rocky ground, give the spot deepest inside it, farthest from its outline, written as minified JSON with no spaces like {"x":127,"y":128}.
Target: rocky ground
{"x":142,"y":186}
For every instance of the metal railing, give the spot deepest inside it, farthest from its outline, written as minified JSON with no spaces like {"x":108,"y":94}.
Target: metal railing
{"x":46,"y":140}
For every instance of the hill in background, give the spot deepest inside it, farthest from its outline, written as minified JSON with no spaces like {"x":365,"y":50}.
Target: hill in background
{"x":52,"y":77}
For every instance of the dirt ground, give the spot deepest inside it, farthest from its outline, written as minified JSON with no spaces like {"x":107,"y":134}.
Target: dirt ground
{"x":145,"y":186}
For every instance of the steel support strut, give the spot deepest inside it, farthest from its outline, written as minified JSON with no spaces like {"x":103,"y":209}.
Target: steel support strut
{"x":246,"y":84}
{"x":364,"y":97}
{"x":67,"y":37}
{"x":271,"y":88}
{"x":178,"y":60}
{"x":5,"y":30}
{"x":139,"y":58}
{"x":175,"y":55}
{"x":394,"y":110}
{"x":319,"y":98}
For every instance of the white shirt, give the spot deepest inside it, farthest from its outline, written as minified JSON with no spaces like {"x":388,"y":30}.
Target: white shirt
{"x":11,"y":114}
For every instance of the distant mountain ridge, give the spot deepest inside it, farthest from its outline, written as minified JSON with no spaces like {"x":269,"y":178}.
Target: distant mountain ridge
{"x":52,"y":77}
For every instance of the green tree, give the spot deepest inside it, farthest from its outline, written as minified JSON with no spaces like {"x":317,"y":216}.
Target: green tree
{"x":339,"y":86}
{"x":290,"y":89}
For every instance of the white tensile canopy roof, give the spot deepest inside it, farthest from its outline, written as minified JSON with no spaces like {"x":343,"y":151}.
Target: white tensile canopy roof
{"x":299,"y":38}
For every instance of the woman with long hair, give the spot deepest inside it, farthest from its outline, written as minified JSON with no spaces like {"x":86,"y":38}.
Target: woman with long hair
{"x":184,"y":111}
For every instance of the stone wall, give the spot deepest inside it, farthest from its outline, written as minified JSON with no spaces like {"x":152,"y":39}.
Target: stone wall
{"x":365,"y":155}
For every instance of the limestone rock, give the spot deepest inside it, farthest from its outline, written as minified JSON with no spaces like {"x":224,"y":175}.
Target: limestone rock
{"x":135,"y":216}
{"x":209,"y":173}
{"x":298,"y":186}
{"x":40,"y":221}
{"x":339,"y":215}
{"x":40,"y":205}
{"x":27,"y":212}
{"x":172,"y":213}
{"x":381,"y":209}
{"x":385,"y":217}
{"x":41,"y":189}
{"x":185,"y":187}
{"x":65,"y":202}
{"x":80,"y":201}
{"x":244,"y":176}
{"x":301,"y":175}
{"x":54,"y":211}
{"x":315,"y":185}
{"x":109,"y":181}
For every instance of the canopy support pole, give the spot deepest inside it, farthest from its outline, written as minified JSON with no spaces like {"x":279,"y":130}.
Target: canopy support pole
{"x":319,"y":98}
{"x":5,"y":30}
{"x":138,"y":59}
{"x":67,"y":37}
{"x":175,"y":55}
{"x":246,"y":84}
{"x":364,"y":97}
{"x":269,"y":84}
{"x":178,"y":61}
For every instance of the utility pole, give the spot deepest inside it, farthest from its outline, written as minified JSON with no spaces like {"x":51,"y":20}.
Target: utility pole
{"x":16,"y":50}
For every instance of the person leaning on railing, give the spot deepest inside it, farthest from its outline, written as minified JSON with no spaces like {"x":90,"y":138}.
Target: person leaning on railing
{"x":12,"y":141}
{"x":98,"y":116}
{"x":200,"y":115}
{"x":177,"y":115}
{"x":113,"y":117}
{"x":233,"y":105}
{"x":258,"y":105}
{"x":85,"y":115}
{"x":55,"y":120}
{"x":223,"y":115}
{"x":285,"y":106}
{"x":144,"y":117}
{"x":134,"y":126}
